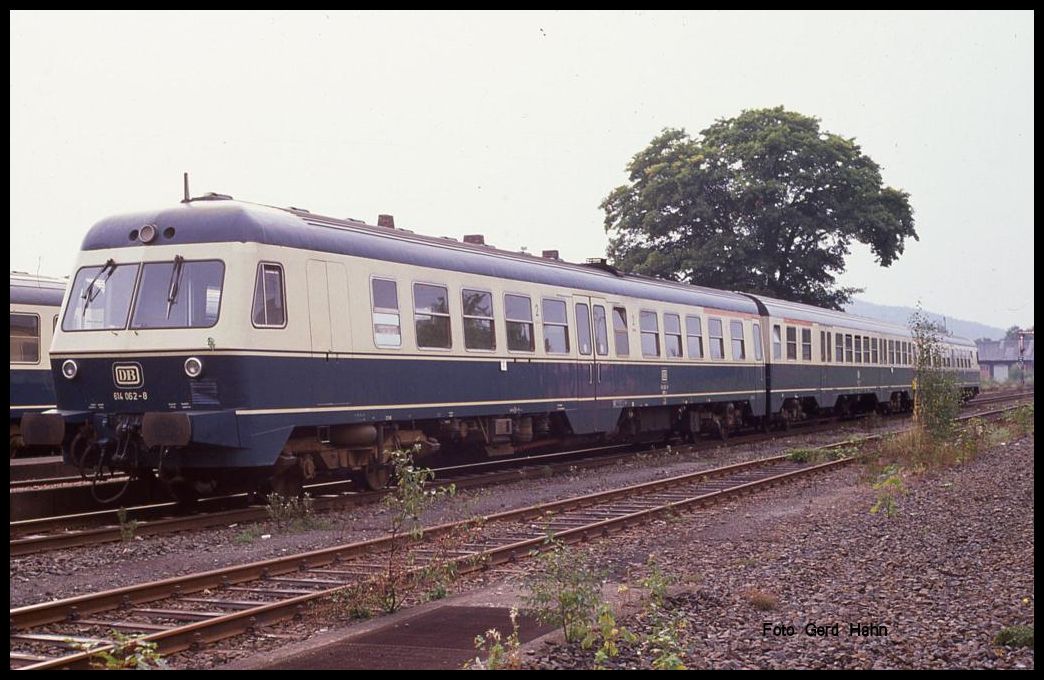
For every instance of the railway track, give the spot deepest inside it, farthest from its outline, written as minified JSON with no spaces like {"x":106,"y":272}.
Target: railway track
{"x":186,"y":611}
{"x":64,"y":531}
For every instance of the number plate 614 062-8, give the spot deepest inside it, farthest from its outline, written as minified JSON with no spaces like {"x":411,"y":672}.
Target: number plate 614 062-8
{"x":130,"y":396}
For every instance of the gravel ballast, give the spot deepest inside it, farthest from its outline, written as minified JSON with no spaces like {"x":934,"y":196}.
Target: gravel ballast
{"x":941,"y":576}
{"x":74,"y":571}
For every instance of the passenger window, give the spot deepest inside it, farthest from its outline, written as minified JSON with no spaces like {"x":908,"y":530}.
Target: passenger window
{"x":806,"y":344}
{"x":858,"y":349}
{"x":601,"y":331}
{"x":873,"y":350}
{"x":822,"y":346}
{"x":891,"y":352}
{"x":848,"y":348}
{"x":269,"y":309}
{"x":478,"y":320}
{"x":556,"y":327}
{"x":716,"y":339}
{"x":777,"y":343}
{"x":431,"y":316}
{"x":672,"y":338}
{"x":518,"y":311}
{"x":739,"y":352}
{"x":25,"y":339}
{"x":829,"y":347}
{"x":583,"y":328}
{"x":650,"y":334}
{"x":757,"y":341}
{"x":694,"y":337}
{"x":387,"y":331}
{"x":623,"y":346}
{"x":791,"y":343}
{"x":839,"y":348}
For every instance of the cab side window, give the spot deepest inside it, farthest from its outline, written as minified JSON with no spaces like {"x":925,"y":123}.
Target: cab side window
{"x":269,"y":309}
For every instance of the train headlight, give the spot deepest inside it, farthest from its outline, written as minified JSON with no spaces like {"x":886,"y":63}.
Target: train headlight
{"x":69,"y":369}
{"x":193,"y":367}
{"x":147,"y":233}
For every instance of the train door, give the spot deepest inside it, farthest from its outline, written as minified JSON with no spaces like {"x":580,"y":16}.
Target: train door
{"x":328,"y":307}
{"x":592,"y":343}
{"x":337,"y":289}
{"x":328,"y":325}
{"x":319,"y":307}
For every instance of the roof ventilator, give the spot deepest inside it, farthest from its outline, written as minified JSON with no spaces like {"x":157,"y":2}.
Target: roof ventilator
{"x":603,"y":264}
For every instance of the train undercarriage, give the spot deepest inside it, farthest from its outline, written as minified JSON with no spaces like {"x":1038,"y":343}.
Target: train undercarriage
{"x":364,"y":452}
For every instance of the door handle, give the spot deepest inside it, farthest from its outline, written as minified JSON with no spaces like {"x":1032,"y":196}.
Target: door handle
{"x":590,"y":374}
{"x":598,"y":368}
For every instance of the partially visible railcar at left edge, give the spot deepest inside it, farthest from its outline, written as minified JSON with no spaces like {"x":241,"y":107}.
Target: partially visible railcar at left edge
{"x":35,"y":303}
{"x":222,"y":343}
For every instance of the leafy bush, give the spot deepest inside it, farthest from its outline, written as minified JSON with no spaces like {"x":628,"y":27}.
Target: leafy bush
{"x":564,"y":590}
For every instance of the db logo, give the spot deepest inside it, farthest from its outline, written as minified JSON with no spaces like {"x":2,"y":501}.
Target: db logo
{"x":128,"y":375}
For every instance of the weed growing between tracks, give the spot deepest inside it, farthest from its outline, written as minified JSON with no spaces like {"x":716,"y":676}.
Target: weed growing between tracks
{"x":127,"y":527}
{"x":128,"y":653}
{"x":293,"y":514}
{"x":820,"y":455}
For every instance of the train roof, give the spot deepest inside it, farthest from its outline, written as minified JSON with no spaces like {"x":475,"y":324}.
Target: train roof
{"x":830,"y":317}
{"x":31,"y":289}
{"x":220,"y":219}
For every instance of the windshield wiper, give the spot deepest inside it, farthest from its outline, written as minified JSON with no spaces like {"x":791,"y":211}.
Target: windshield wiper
{"x":175,"y":279}
{"x":91,"y":293}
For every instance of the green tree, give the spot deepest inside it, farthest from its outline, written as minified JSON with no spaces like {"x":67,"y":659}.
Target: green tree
{"x":1012,"y":333}
{"x":937,"y":397}
{"x":764,"y":203}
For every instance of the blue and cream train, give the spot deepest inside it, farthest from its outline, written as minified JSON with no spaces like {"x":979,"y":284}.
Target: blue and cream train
{"x":35,"y":303}
{"x":223,"y":342}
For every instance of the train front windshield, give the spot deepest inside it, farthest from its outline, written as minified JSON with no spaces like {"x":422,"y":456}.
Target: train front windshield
{"x":174,"y":294}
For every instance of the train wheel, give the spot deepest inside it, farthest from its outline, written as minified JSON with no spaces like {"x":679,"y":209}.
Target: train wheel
{"x":376,"y":476}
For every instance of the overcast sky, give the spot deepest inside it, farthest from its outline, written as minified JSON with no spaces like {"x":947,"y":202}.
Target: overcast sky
{"x":517,"y":125}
